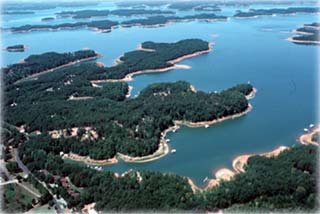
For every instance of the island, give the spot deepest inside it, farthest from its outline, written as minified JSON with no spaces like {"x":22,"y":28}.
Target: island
{"x":309,"y":34}
{"x":16,"y":48}
{"x":254,"y":13}
{"x":36,"y":65}
{"x":85,"y":14}
{"x":154,"y":57}
{"x":157,"y":21}
{"x":195,"y":5}
{"x":45,"y":19}
{"x":17,"y":12}
{"x":101,"y":26}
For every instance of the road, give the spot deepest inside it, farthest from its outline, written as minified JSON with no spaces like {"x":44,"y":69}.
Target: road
{"x":15,"y":154}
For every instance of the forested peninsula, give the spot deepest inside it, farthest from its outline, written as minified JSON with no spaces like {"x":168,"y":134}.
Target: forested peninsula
{"x":156,"y":21}
{"x":85,"y":14}
{"x":37,"y":64}
{"x":107,"y":25}
{"x":153,"y":57}
{"x":253,"y":13}
{"x":101,"y":26}
{"x":309,"y":34}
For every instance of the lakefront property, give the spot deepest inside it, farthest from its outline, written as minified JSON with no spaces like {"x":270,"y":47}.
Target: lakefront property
{"x":161,"y":106}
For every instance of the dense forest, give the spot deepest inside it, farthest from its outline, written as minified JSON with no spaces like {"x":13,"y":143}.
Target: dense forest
{"x":193,"y":5}
{"x":131,"y":127}
{"x":17,"y":12}
{"x":316,"y":137}
{"x":276,"y":11}
{"x":103,"y":25}
{"x":66,"y":99}
{"x":162,"y":20}
{"x":22,"y":6}
{"x":139,"y":60}
{"x":38,"y":63}
{"x":287,"y":182}
{"x":84,"y":14}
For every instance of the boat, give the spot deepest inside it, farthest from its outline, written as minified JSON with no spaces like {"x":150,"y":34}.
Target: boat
{"x":167,"y":140}
{"x":173,"y":151}
{"x":205,"y":179}
{"x":305,"y":129}
{"x":206,"y":126}
{"x":311,"y":125}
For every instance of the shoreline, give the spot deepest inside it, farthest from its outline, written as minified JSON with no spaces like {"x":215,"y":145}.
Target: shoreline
{"x":129,"y":77}
{"x":164,"y":148}
{"x":211,"y":122}
{"x":129,"y":91}
{"x":56,"y":68}
{"x":306,"y":138}
{"x":226,"y":174}
{"x":88,"y":160}
{"x":290,"y":39}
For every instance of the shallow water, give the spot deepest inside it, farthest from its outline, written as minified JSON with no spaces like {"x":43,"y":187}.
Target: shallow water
{"x":245,"y":50}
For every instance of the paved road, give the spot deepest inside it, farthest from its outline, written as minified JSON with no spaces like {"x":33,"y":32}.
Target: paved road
{"x":27,"y":171}
{"x":8,"y":182}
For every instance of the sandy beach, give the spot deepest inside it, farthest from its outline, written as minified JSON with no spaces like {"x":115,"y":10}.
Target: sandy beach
{"x":225,"y":174}
{"x":140,"y":48}
{"x":88,"y":160}
{"x":307,"y":138}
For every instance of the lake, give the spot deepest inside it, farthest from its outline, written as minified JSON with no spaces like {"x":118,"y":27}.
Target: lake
{"x":255,"y":50}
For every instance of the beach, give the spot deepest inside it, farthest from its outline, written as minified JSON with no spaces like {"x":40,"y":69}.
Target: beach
{"x":88,"y":160}
{"x":307,"y":138}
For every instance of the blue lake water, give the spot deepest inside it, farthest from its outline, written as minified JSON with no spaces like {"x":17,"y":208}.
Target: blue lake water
{"x":255,"y":50}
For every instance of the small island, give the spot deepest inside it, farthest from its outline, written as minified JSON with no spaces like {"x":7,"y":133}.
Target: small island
{"x":309,"y":34}
{"x":157,"y":21}
{"x":36,"y":65}
{"x":45,"y":19}
{"x":16,"y":48}
{"x":254,"y":13}
{"x":85,"y":14}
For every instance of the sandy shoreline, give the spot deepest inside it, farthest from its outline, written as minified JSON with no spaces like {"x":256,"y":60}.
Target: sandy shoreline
{"x":238,"y":164}
{"x":88,"y":160}
{"x":129,"y":77}
{"x":290,"y":39}
{"x":307,"y":138}
{"x":56,"y":68}
{"x":163,"y":145}
{"x":129,"y":91}
{"x":211,"y":122}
